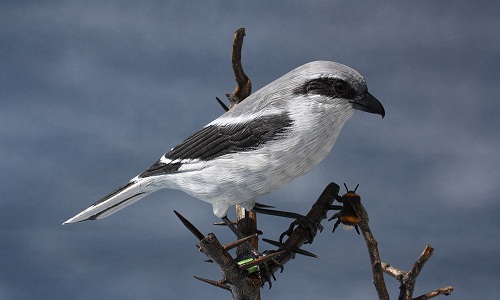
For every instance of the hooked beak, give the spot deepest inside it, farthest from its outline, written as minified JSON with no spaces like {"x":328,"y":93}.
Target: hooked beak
{"x":368,"y":103}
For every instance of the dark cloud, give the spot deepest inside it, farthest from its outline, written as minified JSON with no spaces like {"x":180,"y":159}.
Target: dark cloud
{"x":93,"y":93}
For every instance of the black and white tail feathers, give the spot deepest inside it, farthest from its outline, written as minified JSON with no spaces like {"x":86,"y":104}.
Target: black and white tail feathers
{"x":124,"y":196}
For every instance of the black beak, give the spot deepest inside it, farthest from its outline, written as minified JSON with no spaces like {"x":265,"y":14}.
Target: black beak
{"x":368,"y":103}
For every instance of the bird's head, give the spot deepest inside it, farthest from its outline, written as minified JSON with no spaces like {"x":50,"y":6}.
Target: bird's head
{"x":334,"y":84}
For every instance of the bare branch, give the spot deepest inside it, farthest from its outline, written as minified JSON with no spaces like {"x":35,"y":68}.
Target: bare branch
{"x":393,"y":271}
{"x":409,"y":279}
{"x":244,"y":87}
{"x":242,"y":287}
{"x":442,"y":291}
{"x":246,"y":221}
{"x":246,"y":285}
{"x":378,"y":276}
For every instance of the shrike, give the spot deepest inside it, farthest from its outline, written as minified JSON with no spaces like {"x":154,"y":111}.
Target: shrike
{"x":278,"y":133}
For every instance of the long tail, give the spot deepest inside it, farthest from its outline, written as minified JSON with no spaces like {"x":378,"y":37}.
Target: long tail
{"x":122,"y":197}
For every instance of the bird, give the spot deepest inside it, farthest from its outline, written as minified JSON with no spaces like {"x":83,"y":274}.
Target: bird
{"x":278,"y":133}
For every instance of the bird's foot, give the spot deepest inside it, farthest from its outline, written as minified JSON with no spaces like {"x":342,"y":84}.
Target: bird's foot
{"x":300,"y":220}
{"x":266,"y":271}
{"x":306,"y":223}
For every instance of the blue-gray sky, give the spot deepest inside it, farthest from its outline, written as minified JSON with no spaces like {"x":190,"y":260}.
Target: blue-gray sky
{"x":92,"y":93}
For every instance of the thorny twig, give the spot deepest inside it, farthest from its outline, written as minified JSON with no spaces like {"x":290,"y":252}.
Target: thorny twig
{"x":243,"y":281}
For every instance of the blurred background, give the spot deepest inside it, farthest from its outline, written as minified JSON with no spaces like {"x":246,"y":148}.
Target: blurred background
{"x":92,"y":93}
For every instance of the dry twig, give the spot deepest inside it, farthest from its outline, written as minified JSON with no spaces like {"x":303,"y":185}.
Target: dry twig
{"x":407,"y":279}
{"x":378,"y":276}
{"x":442,"y":291}
{"x":244,"y":87}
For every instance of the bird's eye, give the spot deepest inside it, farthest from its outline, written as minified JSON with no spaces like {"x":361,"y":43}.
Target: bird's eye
{"x":340,"y":87}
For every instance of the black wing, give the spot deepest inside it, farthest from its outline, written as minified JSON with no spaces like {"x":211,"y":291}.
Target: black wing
{"x":215,"y":140}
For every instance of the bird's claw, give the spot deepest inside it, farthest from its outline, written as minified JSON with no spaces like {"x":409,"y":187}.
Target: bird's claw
{"x":300,"y":220}
{"x":266,"y":270}
{"x":306,"y":223}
